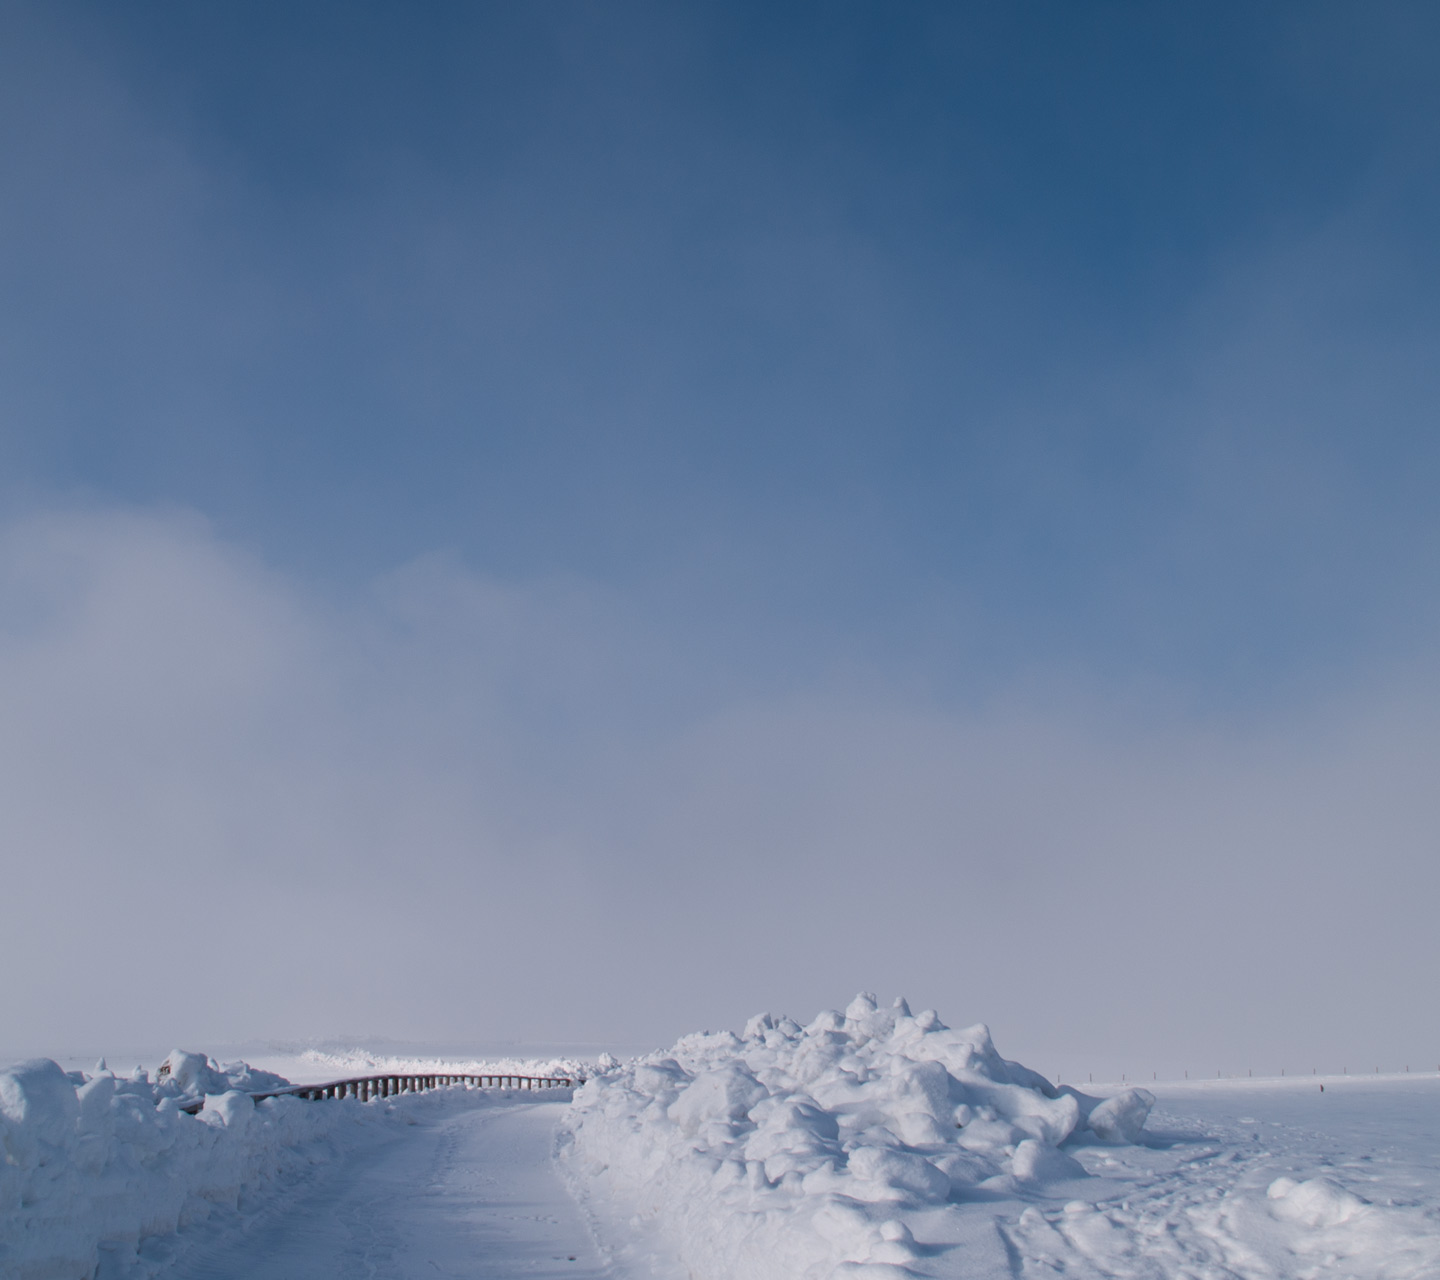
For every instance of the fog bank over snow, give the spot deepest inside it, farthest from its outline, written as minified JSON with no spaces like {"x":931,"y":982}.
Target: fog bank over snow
{"x":444,"y":807}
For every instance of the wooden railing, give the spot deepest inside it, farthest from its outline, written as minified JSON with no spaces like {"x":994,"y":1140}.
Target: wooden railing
{"x":387,"y":1086}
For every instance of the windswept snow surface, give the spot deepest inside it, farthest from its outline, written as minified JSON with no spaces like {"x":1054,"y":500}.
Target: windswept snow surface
{"x":873,"y":1145}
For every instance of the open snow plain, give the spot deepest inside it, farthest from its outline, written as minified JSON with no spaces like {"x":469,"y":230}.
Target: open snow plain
{"x":870,"y":1143}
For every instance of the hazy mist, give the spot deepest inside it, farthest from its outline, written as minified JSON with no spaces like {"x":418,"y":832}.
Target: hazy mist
{"x":581,"y":523}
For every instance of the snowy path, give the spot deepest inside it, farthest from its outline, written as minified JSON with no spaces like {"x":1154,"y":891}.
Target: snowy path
{"x":469,"y":1190}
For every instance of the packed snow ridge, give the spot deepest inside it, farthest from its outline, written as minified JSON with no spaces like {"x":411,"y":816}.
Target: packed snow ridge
{"x":790,"y":1152}
{"x":96,"y":1163}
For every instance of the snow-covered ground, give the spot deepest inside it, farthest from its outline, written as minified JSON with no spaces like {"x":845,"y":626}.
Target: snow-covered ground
{"x":1282,"y":1178}
{"x":870,"y":1143}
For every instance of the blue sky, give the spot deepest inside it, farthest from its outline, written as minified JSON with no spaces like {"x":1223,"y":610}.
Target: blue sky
{"x":1065,"y":328}
{"x":939,"y":358}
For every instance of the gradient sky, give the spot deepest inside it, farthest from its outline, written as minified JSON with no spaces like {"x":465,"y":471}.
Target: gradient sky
{"x":686,"y":509}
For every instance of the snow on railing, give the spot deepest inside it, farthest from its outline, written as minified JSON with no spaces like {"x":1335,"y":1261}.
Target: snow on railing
{"x":385,"y":1086}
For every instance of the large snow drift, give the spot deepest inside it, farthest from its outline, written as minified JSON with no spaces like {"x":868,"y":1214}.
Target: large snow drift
{"x":791,"y":1152}
{"x":96,"y":1160}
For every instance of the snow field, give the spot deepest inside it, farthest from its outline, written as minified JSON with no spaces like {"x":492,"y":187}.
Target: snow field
{"x":1260,"y":1182}
{"x":804,"y":1153}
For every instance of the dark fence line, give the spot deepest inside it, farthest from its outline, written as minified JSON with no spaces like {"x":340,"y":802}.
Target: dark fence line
{"x":388,"y":1086}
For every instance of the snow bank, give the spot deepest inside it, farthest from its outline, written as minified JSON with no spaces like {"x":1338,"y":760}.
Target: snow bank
{"x":194,"y":1075}
{"x":92,"y":1161}
{"x":794,"y":1152}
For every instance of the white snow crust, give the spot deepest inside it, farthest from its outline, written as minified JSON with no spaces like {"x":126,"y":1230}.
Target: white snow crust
{"x":794,"y":1152}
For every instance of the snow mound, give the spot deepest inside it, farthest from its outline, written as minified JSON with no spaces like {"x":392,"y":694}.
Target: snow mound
{"x":1121,"y":1118}
{"x":195,"y":1075}
{"x":92,"y":1163}
{"x":788,"y":1151}
{"x":1318,"y":1202}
